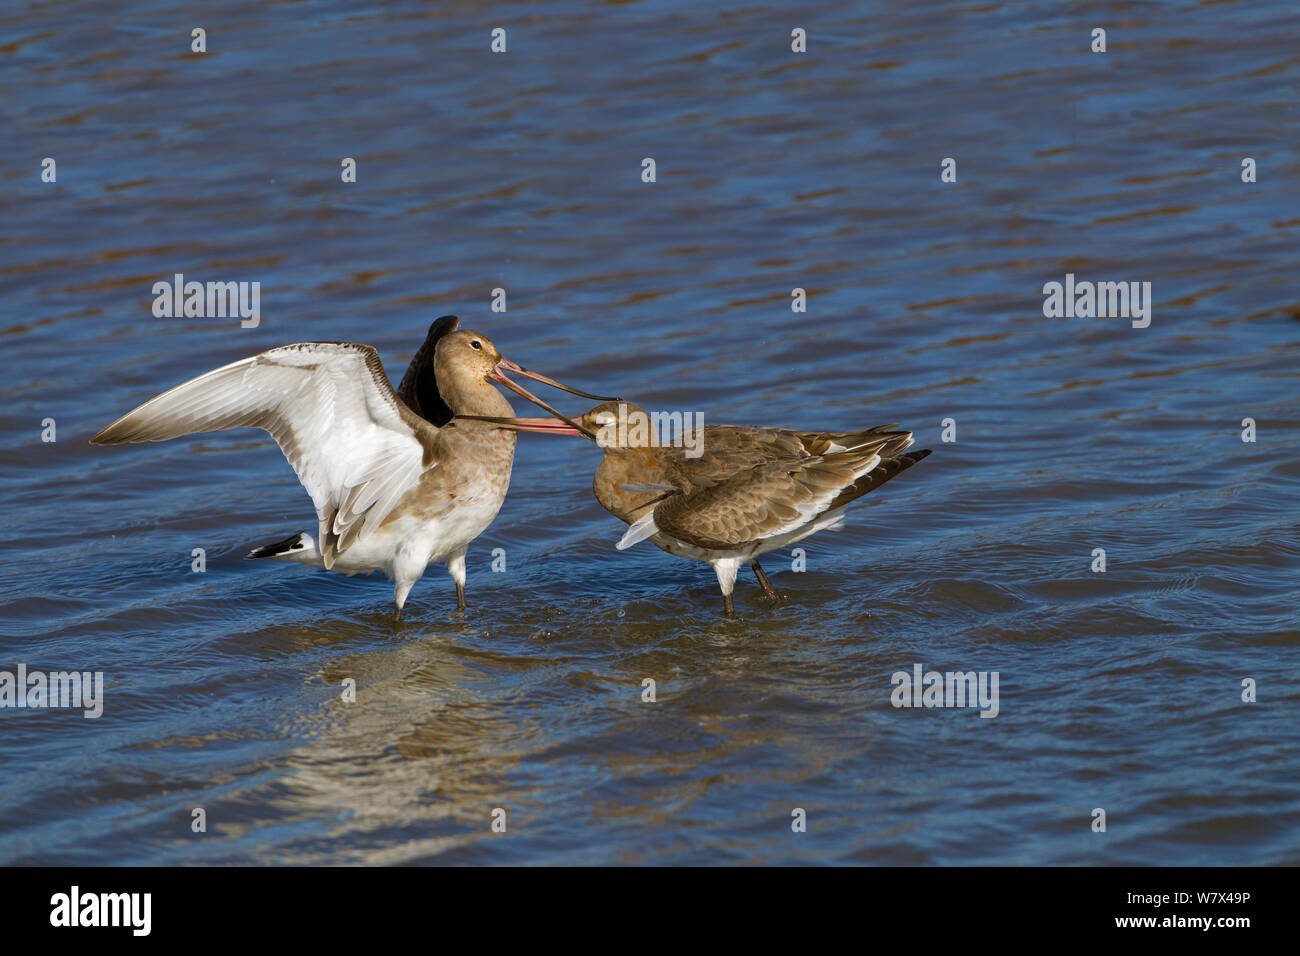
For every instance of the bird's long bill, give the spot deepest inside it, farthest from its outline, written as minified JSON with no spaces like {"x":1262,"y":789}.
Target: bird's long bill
{"x":510,"y":366}
{"x":544,"y":426}
{"x":499,"y":376}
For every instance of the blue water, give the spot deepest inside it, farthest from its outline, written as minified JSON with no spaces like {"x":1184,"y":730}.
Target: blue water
{"x":1120,"y":690}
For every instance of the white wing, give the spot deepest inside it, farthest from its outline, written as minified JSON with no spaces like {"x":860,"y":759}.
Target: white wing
{"x":330,"y":408}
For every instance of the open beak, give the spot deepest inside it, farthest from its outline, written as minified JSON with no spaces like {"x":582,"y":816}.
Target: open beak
{"x":505,"y":365}
{"x":544,"y":426}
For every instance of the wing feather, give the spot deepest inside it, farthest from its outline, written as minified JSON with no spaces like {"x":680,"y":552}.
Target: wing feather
{"x":329,"y":406}
{"x":772,"y":499}
{"x":644,"y":527}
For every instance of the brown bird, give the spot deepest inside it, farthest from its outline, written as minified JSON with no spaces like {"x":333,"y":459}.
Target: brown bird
{"x":749,"y":490}
{"x":398,"y":483}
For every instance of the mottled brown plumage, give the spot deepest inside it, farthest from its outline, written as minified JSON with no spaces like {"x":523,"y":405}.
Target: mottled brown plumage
{"x":750,"y":491}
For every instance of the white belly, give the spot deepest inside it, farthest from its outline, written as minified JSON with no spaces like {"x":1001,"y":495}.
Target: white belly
{"x":405,"y":545}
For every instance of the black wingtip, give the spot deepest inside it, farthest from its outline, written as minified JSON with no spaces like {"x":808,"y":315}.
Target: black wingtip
{"x":419,"y":386}
{"x":917,"y":455}
{"x":441,"y":326}
{"x":279,"y":547}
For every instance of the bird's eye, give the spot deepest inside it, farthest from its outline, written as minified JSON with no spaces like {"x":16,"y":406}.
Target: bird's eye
{"x":476,"y":344}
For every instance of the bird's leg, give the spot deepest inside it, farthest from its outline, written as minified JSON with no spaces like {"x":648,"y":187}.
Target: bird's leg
{"x":769,"y":592}
{"x":399,"y":598}
{"x":456,"y":568}
{"x":725,"y":569}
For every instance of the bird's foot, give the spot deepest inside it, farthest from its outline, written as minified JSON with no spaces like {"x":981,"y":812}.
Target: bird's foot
{"x":769,"y":592}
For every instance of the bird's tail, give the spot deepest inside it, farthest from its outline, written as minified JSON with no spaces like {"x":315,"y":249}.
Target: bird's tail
{"x":888,"y":468}
{"x":299,"y":547}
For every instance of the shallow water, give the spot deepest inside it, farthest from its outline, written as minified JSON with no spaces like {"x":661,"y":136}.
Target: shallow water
{"x":1119,"y":690}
